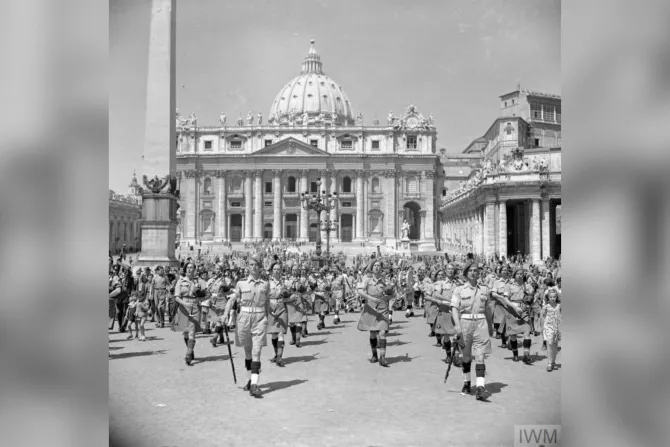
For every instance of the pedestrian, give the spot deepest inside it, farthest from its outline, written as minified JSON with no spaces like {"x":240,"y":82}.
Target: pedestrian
{"x":130,"y":316}
{"x":551,"y":312}
{"x":159,"y":293}
{"x":253,"y":295}
{"x":189,"y":292}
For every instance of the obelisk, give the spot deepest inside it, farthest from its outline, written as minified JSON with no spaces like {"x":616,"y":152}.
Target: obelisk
{"x":159,"y":197}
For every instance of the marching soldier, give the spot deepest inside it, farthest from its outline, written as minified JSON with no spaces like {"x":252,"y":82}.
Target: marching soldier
{"x":297,"y":305}
{"x":278,"y":316}
{"x":216,"y":305}
{"x":499,"y":286}
{"x":337,"y":293}
{"x":433,"y":305}
{"x":321,"y":297}
{"x":444,"y":323}
{"x":516,"y":316}
{"x":189,"y":292}
{"x":253,"y":295}
{"x":374,"y":317}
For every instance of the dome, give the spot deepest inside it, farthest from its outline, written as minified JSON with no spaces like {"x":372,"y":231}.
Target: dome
{"x":314,"y":93}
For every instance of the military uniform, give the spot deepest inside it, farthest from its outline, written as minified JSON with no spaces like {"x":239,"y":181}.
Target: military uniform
{"x":518,"y":323}
{"x":375,"y":315}
{"x":277,"y":319}
{"x":187,"y":319}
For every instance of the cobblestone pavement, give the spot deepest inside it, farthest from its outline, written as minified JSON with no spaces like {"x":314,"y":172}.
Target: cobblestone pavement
{"x":327,"y":395}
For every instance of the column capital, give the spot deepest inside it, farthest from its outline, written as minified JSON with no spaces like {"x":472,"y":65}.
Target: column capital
{"x":389,"y":173}
{"x":221,"y":173}
{"x":277,"y":172}
{"x":258,"y":172}
{"x":429,"y":174}
{"x":324,"y":173}
{"x":303,"y":172}
{"x":190,"y":173}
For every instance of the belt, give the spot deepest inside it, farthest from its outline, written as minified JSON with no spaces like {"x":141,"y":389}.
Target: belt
{"x":473,"y":316}
{"x":253,"y":310}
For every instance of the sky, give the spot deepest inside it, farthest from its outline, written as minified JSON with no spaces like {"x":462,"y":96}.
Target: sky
{"x":451,"y":58}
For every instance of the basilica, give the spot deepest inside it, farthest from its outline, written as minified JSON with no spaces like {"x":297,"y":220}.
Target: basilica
{"x":243,"y":181}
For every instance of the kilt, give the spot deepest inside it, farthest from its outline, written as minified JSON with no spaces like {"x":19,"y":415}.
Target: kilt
{"x":515,"y":325}
{"x":336,"y":299}
{"x":251,"y":329}
{"x":216,"y":311}
{"x":321,"y":303}
{"x":499,"y":314}
{"x":475,"y":337}
{"x":375,"y":316}
{"x":187,"y":318}
{"x":444,"y":322}
{"x":278,"y":325}
{"x":432,"y":310}
{"x":112,"y":308}
{"x":298,"y":310}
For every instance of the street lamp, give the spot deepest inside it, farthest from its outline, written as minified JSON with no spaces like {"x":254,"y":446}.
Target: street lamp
{"x":328,"y":226}
{"x":318,"y":202}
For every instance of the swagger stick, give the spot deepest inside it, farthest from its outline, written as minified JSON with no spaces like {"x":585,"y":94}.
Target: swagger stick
{"x":451,"y":361}
{"x":230,"y":353}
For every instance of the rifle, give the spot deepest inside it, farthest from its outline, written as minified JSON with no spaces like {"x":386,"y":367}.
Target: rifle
{"x":451,"y":361}
{"x":230,"y":353}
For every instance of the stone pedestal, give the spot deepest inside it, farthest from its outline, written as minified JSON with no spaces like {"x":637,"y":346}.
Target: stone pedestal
{"x":405,"y":245}
{"x":158,"y":228}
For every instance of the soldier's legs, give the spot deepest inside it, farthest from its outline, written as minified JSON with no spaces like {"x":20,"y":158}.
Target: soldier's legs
{"x":373,"y":346}
{"x":255,"y":367}
{"x":480,"y":373}
{"x":526,"y":347}
{"x":275,"y":343}
{"x":515,"y":347}
{"x":381,"y":347}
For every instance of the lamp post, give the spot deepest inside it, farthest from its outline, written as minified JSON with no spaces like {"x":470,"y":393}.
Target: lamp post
{"x":318,"y":202}
{"x":328,"y":226}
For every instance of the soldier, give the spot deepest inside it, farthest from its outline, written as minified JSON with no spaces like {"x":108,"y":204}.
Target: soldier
{"x":499,"y":286}
{"x":374,"y":318}
{"x":218,"y":289}
{"x":516,"y":316}
{"x":468,"y":310}
{"x":433,"y":305}
{"x":444,"y":323}
{"x":253,"y":295}
{"x":337,"y":293}
{"x":296,"y":305}
{"x":278,"y":316}
{"x":189,"y":292}
{"x":321,"y":296}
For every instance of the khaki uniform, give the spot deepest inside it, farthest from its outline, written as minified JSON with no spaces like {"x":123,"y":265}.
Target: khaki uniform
{"x":516,"y":324}
{"x":375,"y":315}
{"x":471,"y":303}
{"x":254,"y":302}
{"x":278,"y":316}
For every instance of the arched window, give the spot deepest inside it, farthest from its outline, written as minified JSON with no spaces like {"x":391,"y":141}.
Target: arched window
{"x":412,"y":185}
{"x":208,"y":185}
{"x":375,"y":186}
{"x":291,"y":184}
{"x":346,"y":184}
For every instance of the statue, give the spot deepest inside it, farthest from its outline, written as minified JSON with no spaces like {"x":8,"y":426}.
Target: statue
{"x":359,"y":119}
{"x":322,"y":117}
{"x":375,"y":122}
{"x":271,"y":119}
{"x":260,"y":118}
{"x":488,"y":166}
{"x":391,"y":119}
{"x":193,"y":120}
{"x":431,"y":120}
{"x":240,"y":121}
{"x":156,"y":185}
{"x":305,"y":119}
{"x":222,"y":119}
{"x":250,"y":119}
{"x":333,"y":117}
{"x":405,"y":229}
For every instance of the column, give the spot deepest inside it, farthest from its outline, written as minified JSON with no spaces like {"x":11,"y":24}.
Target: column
{"x":390,"y":198}
{"x":430,"y":206}
{"x":283,"y":226}
{"x":489,"y":226}
{"x":258,"y":204}
{"x":334,"y":235}
{"x":502,"y":235}
{"x":366,"y":205}
{"x":277,"y":221}
{"x":546,"y":235}
{"x":304,"y":217}
{"x":360,"y":213}
{"x":339,"y":227}
{"x":196,"y":213}
{"x":535,"y":231}
{"x":248,"y":206}
{"x":221,"y":227}
{"x":424,"y":218}
{"x":227,"y":226}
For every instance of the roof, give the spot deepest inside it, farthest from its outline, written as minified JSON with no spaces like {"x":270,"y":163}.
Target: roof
{"x":531,"y":93}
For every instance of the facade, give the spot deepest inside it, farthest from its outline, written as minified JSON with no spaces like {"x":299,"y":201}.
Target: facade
{"x":125,"y":212}
{"x":242,"y":182}
{"x":502,"y":195}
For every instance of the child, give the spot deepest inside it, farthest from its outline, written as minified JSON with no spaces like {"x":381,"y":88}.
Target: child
{"x":551,"y":312}
{"x":130,"y":316}
{"x":143,"y":305}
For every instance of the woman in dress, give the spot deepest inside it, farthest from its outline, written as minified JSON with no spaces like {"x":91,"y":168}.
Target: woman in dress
{"x":551,"y":312}
{"x":375,"y":315}
{"x":189,"y":292}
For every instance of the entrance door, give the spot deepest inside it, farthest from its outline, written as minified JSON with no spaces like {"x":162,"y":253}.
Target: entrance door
{"x":347,"y":228}
{"x":267,"y":231}
{"x":312,"y":232}
{"x":236,"y":228}
{"x":291,"y":230}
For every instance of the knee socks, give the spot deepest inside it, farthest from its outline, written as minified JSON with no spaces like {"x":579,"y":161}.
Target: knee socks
{"x":274,"y":345}
{"x":515,"y":347}
{"x":466,"y":371}
{"x":373,"y":346}
{"x":247,"y":366}
{"x":255,"y":371}
{"x":526,"y":346}
{"x":381,"y":347}
{"x":480,"y":373}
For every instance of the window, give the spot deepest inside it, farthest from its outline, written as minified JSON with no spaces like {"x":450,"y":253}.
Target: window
{"x":548,"y":113}
{"x":411,"y":142}
{"x":505,"y":103}
{"x":412,"y":185}
{"x":208,"y":145}
{"x":558,"y":114}
{"x":347,"y":144}
{"x":268,"y":204}
{"x":290,"y":187}
{"x":535,"y":111}
{"x":375,"y":186}
{"x":236,"y":144}
{"x":314,"y":143}
{"x":375,"y":145}
{"x":208,"y":185}
{"x":346,"y":204}
{"x":537,"y":142}
{"x":508,"y":130}
{"x":235,"y":204}
{"x":444,"y":193}
{"x":268,"y":187}
{"x":313,"y":188}
{"x":512,"y":101}
{"x":267,"y":143}
{"x":346,"y":184}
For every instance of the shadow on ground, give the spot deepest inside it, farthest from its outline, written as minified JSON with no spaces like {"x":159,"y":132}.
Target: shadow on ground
{"x":136,"y":354}
{"x":304,"y":358}
{"x":276,"y":386}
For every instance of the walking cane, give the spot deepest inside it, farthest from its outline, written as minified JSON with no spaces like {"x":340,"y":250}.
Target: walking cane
{"x":451,"y":361}
{"x":230,"y":353}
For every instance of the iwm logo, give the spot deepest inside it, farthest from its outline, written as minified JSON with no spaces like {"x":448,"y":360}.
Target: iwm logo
{"x":537,"y":435}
